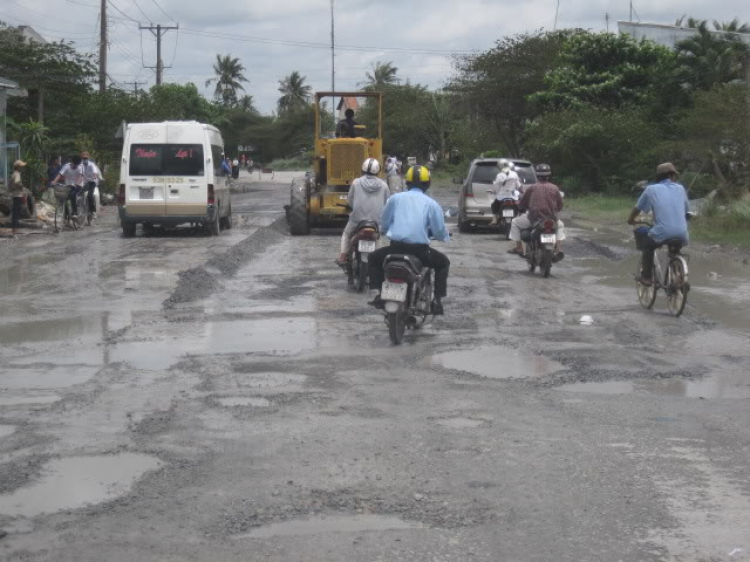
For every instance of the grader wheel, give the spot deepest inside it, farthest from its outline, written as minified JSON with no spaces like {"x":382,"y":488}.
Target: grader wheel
{"x":298,"y":216}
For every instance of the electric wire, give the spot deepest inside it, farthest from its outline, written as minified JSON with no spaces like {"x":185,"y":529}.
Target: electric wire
{"x":148,"y":19}
{"x":162,"y":11}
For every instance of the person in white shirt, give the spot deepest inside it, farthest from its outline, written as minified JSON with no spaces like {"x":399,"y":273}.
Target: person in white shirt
{"x":91,"y":178}
{"x":507,"y":185}
{"x":392,"y":167}
{"x":72,"y":174}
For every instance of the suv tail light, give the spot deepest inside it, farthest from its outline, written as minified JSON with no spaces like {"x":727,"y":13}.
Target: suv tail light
{"x":549,"y":227}
{"x":469,"y":190}
{"x":121,"y":194}
{"x":211,"y":198}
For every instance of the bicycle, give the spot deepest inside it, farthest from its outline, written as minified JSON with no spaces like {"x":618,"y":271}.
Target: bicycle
{"x":63,"y":212}
{"x":673,"y":279}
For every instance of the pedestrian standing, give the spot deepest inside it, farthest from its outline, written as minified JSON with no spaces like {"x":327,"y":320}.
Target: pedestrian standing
{"x":17,"y":191}
{"x":235,"y":169}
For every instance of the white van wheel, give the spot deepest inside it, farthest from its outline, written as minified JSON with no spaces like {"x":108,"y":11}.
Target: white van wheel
{"x":213,"y":228}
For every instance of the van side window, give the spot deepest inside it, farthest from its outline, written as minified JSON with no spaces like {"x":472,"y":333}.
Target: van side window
{"x":216,"y":157}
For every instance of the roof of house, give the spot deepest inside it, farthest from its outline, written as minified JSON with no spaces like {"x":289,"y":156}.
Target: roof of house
{"x":350,"y":102}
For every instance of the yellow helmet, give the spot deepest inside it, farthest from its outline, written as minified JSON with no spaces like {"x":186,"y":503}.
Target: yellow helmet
{"x":418,"y":176}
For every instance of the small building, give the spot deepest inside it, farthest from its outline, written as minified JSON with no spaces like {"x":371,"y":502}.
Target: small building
{"x":348,"y":102}
{"x":667,"y":35}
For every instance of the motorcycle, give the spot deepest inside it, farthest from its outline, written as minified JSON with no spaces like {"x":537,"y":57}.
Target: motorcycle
{"x":364,"y":241}
{"x":508,"y":211}
{"x":540,"y":242}
{"x":407,"y":292}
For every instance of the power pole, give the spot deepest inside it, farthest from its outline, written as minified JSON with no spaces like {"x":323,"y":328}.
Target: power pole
{"x":631,"y":10}
{"x":103,"y":48}
{"x":158,"y":31}
{"x":606,"y":18}
{"x":135,"y":85}
{"x":333,"y":53}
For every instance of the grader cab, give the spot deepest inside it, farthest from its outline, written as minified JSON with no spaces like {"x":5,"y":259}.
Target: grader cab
{"x":318,"y":200}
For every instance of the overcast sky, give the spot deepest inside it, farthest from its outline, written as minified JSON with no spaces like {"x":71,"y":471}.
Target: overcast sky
{"x":416,"y":35}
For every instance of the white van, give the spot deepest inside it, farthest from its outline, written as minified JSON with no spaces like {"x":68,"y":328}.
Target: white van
{"x":172,"y":174}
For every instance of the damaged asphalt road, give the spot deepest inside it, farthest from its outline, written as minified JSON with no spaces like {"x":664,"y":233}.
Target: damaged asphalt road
{"x":176,"y":397}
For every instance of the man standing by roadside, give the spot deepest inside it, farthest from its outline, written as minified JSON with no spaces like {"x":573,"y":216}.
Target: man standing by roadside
{"x":16,"y":192}
{"x":92,"y":175}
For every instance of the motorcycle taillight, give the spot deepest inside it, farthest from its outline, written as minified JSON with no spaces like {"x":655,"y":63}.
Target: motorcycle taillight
{"x":549,"y":227}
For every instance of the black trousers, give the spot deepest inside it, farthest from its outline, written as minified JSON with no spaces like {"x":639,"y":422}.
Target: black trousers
{"x":90,"y":187}
{"x":15,"y":212}
{"x":647,"y":260}
{"x":428,"y":256}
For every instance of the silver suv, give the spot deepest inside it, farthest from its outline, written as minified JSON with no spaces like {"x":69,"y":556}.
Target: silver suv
{"x":477,"y":192}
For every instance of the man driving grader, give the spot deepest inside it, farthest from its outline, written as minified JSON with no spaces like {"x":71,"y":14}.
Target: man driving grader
{"x":319,"y":199}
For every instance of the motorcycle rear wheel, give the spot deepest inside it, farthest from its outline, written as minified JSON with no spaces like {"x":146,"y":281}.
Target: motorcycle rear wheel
{"x":546,"y":265}
{"x":397,"y":325}
{"x":361,"y":281}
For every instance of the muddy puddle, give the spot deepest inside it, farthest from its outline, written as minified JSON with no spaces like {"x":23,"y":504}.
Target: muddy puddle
{"x":277,"y":336}
{"x":712,"y":387}
{"x":252,"y":401}
{"x":496,"y":363}
{"x":461,"y":423}
{"x":333,"y":524}
{"x":75,"y":482}
{"x":56,"y":329}
{"x":24,"y":399}
{"x":6,"y":430}
{"x":45,"y":377}
{"x":275,"y":381}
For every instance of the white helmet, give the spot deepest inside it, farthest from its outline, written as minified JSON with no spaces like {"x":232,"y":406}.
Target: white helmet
{"x":511,"y":166}
{"x":502,"y":163}
{"x":371,"y":167}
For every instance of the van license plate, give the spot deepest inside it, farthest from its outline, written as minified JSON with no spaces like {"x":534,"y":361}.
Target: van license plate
{"x":509,"y":213}
{"x":366,"y":245}
{"x":548,"y":238}
{"x":393,"y":291}
{"x":146,"y":192}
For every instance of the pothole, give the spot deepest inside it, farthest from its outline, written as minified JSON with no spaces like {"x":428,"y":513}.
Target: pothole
{"x":10,"y":400}
{"x":496,"y":363}
{"x":461,"y":423}
{"x":705,"y":388}
{"x":43,"y":378}
{"x":244,"y":401}
{"x":334,"y":524}
{"x":75,"y":482}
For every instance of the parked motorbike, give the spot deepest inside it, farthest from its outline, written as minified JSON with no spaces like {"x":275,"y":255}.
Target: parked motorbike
{"x":407,"y":292}
{"x":363,"y":244}
{"x":508,"y":211}
{"x":540,"y":242}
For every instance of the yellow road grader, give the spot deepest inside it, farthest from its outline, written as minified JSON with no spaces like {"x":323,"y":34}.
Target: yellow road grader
{"x":318,"y":200}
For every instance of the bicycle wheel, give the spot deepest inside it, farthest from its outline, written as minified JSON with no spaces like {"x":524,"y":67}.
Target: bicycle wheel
{"x":677,"y":287}
{"x":80,"y":218}
{"x":59,"y":214}
{"x":646,"y":293}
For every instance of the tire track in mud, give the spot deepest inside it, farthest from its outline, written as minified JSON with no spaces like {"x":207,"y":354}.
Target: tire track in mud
{"x":200,"y":282}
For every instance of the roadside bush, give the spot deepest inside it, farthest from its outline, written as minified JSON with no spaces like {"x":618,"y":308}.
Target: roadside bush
{"x":301,"y":162}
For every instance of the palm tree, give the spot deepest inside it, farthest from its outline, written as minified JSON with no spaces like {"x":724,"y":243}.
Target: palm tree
{"x":707,"y":59}
{"x":228,"y":79}
{"x":294,"y":92}
{"x":383,"y":74}
{"x":733,"y":26}
{"x":246,"y":103}
{"x":689,"y":22}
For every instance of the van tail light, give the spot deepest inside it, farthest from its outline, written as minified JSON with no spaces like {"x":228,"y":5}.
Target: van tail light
{"x":549,"y":227}
{"x":121,"y":194}
{"x":211,"y":198}
{"x":394,"y":280}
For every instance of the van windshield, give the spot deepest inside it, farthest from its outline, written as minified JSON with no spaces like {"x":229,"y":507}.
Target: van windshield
{"x":166,"y":160}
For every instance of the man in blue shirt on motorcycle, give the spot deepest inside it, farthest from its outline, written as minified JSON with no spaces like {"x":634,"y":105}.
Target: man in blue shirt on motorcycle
{"x":409,"y":220}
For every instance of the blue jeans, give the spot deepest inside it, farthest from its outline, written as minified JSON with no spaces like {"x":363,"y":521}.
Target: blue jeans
{"x":72,"y":197}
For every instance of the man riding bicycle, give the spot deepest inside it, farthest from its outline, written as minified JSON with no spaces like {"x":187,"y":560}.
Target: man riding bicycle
{"x":72,"y":175}
{"x":409,"y":219}
{"x":91,"y":178}
{"x":668,"y":202}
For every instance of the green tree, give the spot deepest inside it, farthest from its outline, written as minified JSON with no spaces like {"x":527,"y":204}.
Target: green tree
{"x":228,"y":79}
{"x":607,"y":70}
{"x":295,"y":94}
{"x":493,"y":87}
{"x":247,"y":104}
{"x":33,"y":137}
{"x":707,"y":59}
{"x":734,"y":26}
{"x":685,"y":21}
{"x":383,"y":74}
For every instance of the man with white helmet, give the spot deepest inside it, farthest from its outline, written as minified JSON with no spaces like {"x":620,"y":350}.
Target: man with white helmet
{"x":507,"y":185}
{"x":366,"y":199}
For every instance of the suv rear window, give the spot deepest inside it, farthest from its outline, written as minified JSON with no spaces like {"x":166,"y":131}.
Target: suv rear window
{"x":166,"y":160}
{"x":486,"y":172}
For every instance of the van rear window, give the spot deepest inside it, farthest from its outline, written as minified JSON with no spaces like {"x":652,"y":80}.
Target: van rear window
{"x":166,"y":160}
